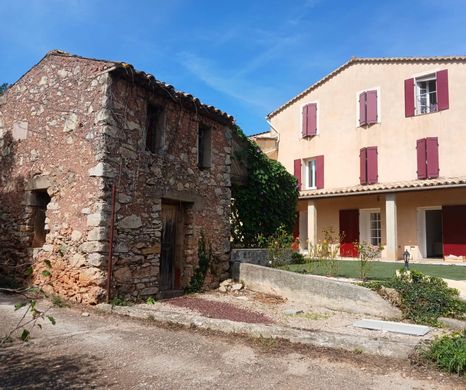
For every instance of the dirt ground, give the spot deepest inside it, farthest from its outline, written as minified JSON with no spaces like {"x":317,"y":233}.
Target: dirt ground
{"x":104,"y":351}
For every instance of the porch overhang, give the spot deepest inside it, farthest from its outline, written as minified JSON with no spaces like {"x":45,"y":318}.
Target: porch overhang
{"x":381,"y":188}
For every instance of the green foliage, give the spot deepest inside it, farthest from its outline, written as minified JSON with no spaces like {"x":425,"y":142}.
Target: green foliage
{"x":58,"y":301}
{"x":150,"y":301}
{"x":118,"y":301}
{"x":30,"y":295}
{"x":3,"y":88}
{"x":325,"y":253}
{"x":424,"y":298}
{"x":205,"y":259}
{"x":367,"y":254}
{"x":448,"y":352}
{"x":297,"y":258}
{"x":266,"y":202}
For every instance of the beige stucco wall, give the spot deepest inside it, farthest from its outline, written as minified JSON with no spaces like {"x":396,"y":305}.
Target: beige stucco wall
{"x":407,"y":205}
{"x":340,"y":138}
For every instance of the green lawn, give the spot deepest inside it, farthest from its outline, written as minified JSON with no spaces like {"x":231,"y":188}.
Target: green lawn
{"x":380,"y":270}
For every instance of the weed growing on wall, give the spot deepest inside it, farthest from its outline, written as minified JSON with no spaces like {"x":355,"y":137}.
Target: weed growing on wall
{"x":205,"y":260}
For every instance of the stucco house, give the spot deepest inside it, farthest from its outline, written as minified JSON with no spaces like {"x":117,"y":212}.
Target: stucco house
{"x":112,"y":176}
{"x":378,"y":148}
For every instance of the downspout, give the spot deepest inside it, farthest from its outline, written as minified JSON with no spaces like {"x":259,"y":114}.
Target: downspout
{"x":110,"y":246}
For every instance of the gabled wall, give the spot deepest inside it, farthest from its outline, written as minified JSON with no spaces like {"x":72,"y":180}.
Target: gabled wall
{"x":340,"y":137}
{"x":50,"y":138}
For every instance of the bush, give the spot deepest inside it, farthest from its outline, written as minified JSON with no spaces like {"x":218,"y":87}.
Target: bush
{"x":367,"y":254}
{"x":448,"y":352}
{"x":424,"y":298}
{"x":297,"y":258}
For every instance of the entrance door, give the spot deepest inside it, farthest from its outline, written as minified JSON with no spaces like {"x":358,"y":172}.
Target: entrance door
{"x":169,"y":272}
{"x":454,"y":230}
{"x":434,"y":245}
{"x":349,"y":232}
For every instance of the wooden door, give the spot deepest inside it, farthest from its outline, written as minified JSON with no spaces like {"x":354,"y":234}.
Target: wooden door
{"x":168,"y":250}
{"x":349,"y":232}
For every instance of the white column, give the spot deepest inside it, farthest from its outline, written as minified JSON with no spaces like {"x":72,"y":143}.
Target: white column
{"x":311,"y":222}
{"x":391,"y":226}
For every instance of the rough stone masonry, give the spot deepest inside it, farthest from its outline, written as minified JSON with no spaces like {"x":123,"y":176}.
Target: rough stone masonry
{"x":72,"y":128}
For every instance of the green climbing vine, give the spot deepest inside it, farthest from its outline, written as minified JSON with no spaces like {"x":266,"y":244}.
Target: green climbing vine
{"x":205,"y":260}
{"x":268,"y":200}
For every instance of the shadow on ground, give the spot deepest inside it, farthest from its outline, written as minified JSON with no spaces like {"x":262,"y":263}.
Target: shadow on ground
{"x":21,"y":370}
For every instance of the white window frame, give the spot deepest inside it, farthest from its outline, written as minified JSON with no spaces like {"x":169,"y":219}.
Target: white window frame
{"x":379,"y":105}
{"x":421,"y":228}
{"x":365,"y":231}
{"x":417,"y":95}
{"x":307,"y":182}
{"x":300,"y":130}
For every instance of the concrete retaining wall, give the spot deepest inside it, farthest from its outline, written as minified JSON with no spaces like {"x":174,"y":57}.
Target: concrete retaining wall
{"x":260,"y":256}
{"x":318,"y":290}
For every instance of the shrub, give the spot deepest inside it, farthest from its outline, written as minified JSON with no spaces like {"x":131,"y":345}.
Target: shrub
{"x":367,"y":253}
{"x":326,"y":253}
{"x":424,"y":298}
{"x":297,"y":258}
{"x":448,"y":352}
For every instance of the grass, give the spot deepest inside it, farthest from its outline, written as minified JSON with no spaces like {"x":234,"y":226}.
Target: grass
{"x":380,"y":270}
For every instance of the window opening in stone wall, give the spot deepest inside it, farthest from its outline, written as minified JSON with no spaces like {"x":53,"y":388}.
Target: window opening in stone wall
{"x":154,"y":128}
{"x":40,"y":200}
{"x":204,"y":147}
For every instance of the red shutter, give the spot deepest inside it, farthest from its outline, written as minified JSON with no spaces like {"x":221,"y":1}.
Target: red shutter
{"x":409,"y":97}
{"x":371,"y":107}
{"x":421,"y":159}
{"x":442,"y":90}
{"x":297,"y":172}
{"x":311,"y":122}
{"x":305,"y":117}
{"x":432,"y":157}
{"x":363,"y":166}
{"x":319,"y":172}
{"x":372,"y":169}
{"x":362,"y":109}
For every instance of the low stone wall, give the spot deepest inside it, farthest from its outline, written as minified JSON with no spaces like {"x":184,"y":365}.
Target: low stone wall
{"x":318,"y":290}
{"x":258,"y":256}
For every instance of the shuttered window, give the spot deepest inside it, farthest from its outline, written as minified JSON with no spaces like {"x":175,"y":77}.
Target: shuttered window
{"x":313,"y":172}
{"x":426,"y":94}
{"x":427,"y":158}
{"x":309,"y":120}
{"x":368,"y":108}
{"x":368,"y":165}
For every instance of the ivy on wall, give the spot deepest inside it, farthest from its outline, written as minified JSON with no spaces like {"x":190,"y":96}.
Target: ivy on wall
{"x":267,"y":201}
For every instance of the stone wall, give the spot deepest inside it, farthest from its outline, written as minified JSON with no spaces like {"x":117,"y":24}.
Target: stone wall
{"x":74,"y":127}
{"x":145,"y":180}
{"x":50,"y":136}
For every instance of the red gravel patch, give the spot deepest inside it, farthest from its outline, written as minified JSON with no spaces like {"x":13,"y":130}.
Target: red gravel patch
{"x":220,"y":310}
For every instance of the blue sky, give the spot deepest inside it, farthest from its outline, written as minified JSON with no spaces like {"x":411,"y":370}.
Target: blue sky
{"x":244,"y":57}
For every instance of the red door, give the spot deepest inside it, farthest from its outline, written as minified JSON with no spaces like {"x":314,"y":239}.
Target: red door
{"x":454,"y":230}
{"x":349,"y":232}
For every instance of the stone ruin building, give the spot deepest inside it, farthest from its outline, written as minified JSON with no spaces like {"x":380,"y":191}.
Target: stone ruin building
{"x":99,"y":161}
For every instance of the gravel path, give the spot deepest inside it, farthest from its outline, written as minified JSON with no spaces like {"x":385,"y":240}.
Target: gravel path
{"x":108,"y":352}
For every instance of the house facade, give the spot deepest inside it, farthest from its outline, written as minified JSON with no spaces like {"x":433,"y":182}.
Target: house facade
{"x":112,"y":177}
{"x":378,"y":147}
